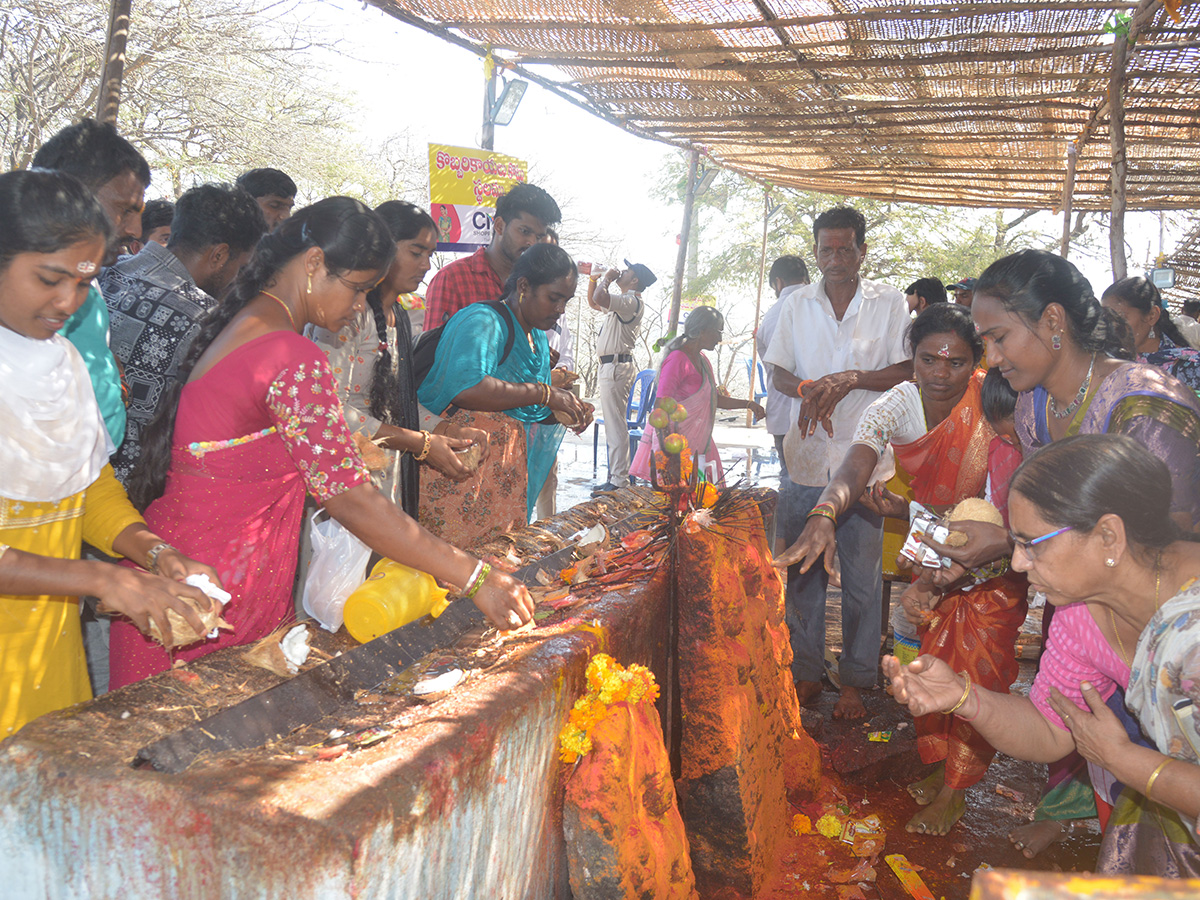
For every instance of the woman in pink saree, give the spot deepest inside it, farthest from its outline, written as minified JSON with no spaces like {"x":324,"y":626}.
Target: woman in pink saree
{"x":254,"y":424}
{"x":686,"y":376}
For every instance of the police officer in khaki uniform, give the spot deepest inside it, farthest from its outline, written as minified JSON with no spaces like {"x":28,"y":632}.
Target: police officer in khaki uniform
{"x":617,"y":369}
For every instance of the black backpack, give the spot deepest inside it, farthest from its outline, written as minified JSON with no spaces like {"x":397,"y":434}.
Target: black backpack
{"x":427,"y":344}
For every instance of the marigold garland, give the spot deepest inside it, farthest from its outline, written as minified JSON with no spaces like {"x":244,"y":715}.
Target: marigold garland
{"x":609,"y":683}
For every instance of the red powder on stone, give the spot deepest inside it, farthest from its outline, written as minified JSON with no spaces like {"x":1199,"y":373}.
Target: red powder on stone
{"x":743,"y":745}
{"x":625,"y":837}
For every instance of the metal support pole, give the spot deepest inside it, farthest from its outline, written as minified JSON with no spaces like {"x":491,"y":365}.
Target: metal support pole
{"x":487,"y":140}
{"x":689,"y":199}
{"x":109,"y":101}
{"x":762,"y":274}
{"x":1116,"y":130}
{"x":1068,"y":194}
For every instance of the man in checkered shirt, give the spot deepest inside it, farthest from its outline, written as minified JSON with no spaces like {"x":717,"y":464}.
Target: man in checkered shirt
{"x":522,"y":218}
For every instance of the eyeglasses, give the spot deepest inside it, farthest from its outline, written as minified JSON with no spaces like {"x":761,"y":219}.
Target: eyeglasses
{"x":1028,"y":545}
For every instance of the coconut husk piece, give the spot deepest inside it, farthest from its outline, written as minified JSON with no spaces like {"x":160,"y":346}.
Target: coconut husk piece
{"x":267,"y":654}
{"x":372,"y":454}
{"x":182,"y":633}
{"x":973,"y":509}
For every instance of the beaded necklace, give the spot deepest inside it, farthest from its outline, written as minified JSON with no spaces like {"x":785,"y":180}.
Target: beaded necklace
{"x":1069,"y":409}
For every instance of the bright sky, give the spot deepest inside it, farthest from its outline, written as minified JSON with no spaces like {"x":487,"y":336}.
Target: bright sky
{"x":600,"y":175}
{"x":407,"y":80}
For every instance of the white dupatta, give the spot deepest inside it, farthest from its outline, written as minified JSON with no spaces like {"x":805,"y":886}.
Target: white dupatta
{"x":53,"y":442}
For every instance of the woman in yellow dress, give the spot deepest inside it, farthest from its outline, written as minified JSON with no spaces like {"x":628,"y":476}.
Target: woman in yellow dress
{"x":56,"y":486}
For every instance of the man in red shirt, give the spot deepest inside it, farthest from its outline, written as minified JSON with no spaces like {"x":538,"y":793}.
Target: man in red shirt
{"x":522,"y":218}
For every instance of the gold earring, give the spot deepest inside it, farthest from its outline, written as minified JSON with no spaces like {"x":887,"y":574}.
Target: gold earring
{"x":310,"y":282}
{"x":521,"y":297}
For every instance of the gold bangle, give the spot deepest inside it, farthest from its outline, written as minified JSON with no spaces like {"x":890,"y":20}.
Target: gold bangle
{"x":1154,"y":776}
{"x":966,"y":693}
{"x":419,"y":457}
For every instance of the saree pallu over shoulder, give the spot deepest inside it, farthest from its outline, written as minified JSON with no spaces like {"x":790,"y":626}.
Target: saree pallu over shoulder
{"x":949,"y":463}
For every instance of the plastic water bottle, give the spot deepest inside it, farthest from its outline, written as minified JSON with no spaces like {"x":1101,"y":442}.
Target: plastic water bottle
{"x":392,"y":596}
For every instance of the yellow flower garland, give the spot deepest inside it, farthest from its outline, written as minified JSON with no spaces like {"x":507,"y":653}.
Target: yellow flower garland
{"x":608,"y":683}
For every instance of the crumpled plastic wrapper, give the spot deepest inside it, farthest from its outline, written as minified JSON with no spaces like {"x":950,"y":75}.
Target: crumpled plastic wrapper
{"x":182,"y":633}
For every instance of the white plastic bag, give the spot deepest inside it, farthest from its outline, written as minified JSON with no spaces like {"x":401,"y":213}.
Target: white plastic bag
{"x":339,"y":565}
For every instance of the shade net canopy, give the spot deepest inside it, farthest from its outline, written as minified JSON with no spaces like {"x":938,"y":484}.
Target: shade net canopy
{"x":971,"y":104}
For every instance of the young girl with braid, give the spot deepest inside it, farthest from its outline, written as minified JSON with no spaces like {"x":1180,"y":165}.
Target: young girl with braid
{"x":254,"y":423}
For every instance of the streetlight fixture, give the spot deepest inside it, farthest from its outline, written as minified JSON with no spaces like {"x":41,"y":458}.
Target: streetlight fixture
{"x":510,"y":98}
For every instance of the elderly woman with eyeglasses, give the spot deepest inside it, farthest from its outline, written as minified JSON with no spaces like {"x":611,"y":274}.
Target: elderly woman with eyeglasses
{"x":1090,"y":527}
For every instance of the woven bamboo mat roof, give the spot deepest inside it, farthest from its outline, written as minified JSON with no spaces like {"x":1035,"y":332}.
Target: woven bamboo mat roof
{"x":1186,"y":263}
{"x":971,"y":103}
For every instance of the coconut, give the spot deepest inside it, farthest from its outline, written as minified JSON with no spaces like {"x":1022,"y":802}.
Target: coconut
{"x":973,"y":509}
{"x":471,"y":457}
{"x":182,"y":633}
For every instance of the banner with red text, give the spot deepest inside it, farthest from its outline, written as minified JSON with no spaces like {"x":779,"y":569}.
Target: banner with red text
{"x":464,"y":184}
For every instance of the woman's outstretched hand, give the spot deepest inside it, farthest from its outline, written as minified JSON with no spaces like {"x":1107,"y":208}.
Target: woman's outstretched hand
{"x":1099,"y":735}
{"x":817,"y":541}
{"x":504,"y":600}
{"x":926,"y":685}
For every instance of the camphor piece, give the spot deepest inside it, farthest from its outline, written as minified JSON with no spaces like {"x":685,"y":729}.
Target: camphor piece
{"x":973,"y":509}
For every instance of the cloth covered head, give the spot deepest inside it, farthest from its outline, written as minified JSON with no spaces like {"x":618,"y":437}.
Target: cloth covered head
{"x":644,"y":276}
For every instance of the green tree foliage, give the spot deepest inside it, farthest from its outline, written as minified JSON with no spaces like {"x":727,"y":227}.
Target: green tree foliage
{"x":211,"y":88}
{"x":905,"y":241}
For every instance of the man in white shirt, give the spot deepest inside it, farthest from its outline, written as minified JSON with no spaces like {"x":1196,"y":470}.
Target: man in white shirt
{"x":1187,"y":324}
{"x":787,"y":274}
{"x":617,"y":369}
{"x":837,"y":346}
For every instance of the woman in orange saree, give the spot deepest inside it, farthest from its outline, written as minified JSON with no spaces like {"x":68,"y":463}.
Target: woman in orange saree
{"x":938,"y":433}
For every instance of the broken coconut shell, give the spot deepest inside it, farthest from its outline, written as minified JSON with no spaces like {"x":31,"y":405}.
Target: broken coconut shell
{"x":182,"y":633}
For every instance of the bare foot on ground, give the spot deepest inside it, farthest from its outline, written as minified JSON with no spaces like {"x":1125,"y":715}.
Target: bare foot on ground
{"x":808,"y":692}
{"x":1035,"y":837}
{"x":940,"y":815}
{"x":926,"y":790}
{"x":849,"y":705}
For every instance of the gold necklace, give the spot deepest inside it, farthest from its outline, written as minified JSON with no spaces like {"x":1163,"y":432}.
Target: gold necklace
{"x":284,"y":305}
{"x":1125,"y":658}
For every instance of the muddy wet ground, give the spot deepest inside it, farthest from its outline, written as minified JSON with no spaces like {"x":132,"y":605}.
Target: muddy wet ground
{"x":874,"y":775}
